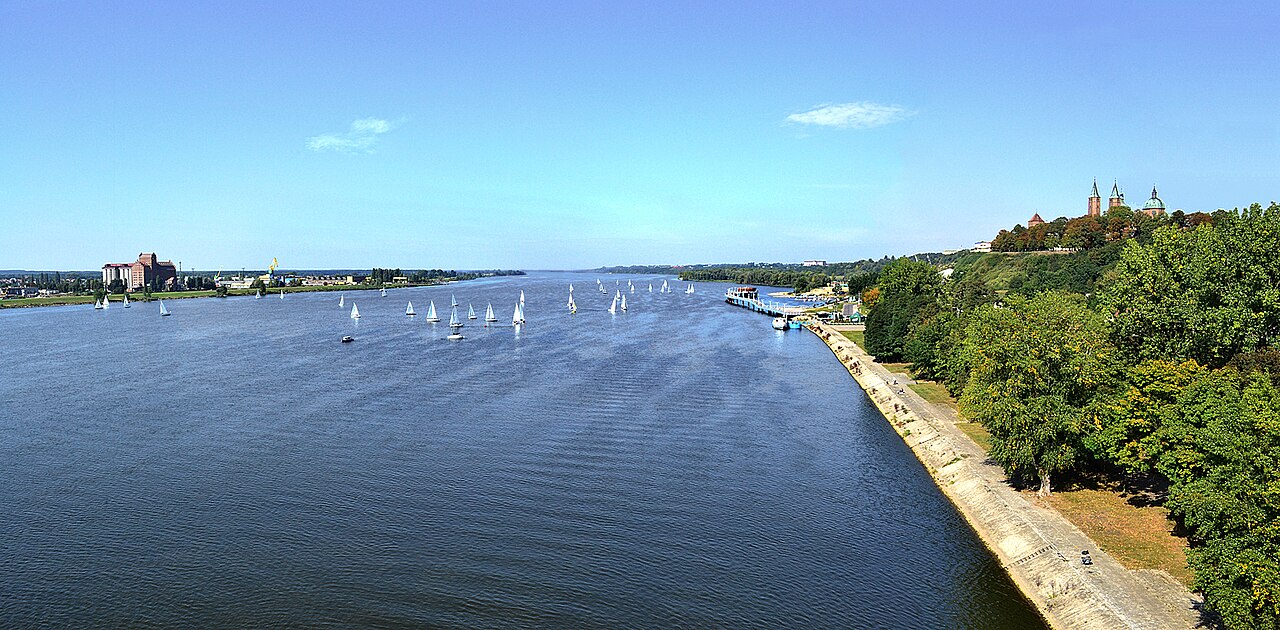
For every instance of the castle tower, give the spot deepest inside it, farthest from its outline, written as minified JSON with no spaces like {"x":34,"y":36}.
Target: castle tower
{"x":1117,"y":197}
{"x":1095,"y":200}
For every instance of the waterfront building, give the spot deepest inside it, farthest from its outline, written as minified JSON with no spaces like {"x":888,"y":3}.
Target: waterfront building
{"x":982,"y":246}
{"x":814,"y":263}
{"x":147,"y":270}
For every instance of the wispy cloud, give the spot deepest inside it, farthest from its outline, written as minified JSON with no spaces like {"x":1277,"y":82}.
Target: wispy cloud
{"x":360,"y":138}
{"x":864,"y":115}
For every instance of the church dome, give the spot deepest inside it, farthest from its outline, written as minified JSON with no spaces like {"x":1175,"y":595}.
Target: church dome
{"x":1154,"y":202}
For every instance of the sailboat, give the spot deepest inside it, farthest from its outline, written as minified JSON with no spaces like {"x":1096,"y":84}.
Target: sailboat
{"x":613,"y":308}
{"x":164,"y":312}
{"x":97,"y":305}
{"x":664,"y":288}
{"x":355,"y":312}
{"x":258,"y":295}
{"x":454,"y":325}
{"x":515,"y":316}
{"x":573,"y":307}
{"x":689,"y":290}
{"x":342,"y":301}
{"x":616,"y":295}
{"x":623,"y":306}
{"x":126,"y":300}
{"x":384,"y":293}
{"x":522,"y":303}
{"x":488,"y":314}
{"x":409,"y":310}
{"x":453,"y":301}
{"x":431,"y":312}
{"x":570,"y":287}
{"x":471,"y":312}
{"x":650,"y":287}
{"x":282,"y":294}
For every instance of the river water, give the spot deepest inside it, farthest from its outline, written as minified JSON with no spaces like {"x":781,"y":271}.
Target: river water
{"x":679,"y":465}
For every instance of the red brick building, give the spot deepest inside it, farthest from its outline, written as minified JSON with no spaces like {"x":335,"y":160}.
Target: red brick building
{"x":148,"y":270}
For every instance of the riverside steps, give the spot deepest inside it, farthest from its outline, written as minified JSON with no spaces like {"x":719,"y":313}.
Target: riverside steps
{"x":1038,"y":547}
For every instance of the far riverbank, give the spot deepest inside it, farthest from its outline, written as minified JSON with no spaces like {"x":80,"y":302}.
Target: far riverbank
{"x":73,"y":300}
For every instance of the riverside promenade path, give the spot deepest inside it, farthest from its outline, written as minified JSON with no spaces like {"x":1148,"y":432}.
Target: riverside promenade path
{"x":1038,"y":547}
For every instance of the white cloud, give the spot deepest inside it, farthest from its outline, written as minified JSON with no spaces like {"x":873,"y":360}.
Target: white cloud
{"x":360,"y":138}
{"x":864,"y":115}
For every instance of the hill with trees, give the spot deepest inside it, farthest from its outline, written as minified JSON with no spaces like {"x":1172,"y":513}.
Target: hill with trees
{"x":1152,"y":353}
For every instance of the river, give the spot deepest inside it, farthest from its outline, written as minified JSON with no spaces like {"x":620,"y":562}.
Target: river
{"x":678,"y":465}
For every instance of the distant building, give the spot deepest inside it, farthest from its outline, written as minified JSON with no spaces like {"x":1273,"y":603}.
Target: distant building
{"x":981,"y":246}
{"x":1117,"y":197}
{"x":1034,"y":220}
{"x":1154,"y":205}
{"x":148,"y":270}
{"x":815,"y":263}
{"x":1095,"y":201}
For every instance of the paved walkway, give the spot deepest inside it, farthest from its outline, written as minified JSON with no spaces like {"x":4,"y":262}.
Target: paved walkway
{"x":1037,"y":546}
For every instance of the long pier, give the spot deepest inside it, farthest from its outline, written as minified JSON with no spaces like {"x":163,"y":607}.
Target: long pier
{"x":749,"y":298}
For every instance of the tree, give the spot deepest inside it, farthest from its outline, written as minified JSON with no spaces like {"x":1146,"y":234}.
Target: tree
{"x":1206,"y":294}
{"x":116,"y":286}
{"x":258,"y":285}
{"x":1036,"y":365}
{"x":1127,"y":422}
{"x":906,"y":286}
{"x":1223,"y":460}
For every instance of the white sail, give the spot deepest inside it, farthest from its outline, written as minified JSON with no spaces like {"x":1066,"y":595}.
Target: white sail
{"x":384,"y":293}
{"x":471,"y":312}
{"x":453,"y":317}
{"x":282,"y":294}
{"x":342,"y":301}
{"x":355,"y":312}
{"x":126,"y":300}
{"x":570,"y":287}
{"x":488,"y":314}
{"x":431,"y":312}
{"x":97,"y":305}
{"x":106,"y":301}
{"x":515,"y":315}
{"x":664,"y":286}
{"x":617,"y":294}
{"x":650,"y":287}
{"x":573,"y":306}
{"x":623,"y":306}
{"x":521,"y":299}
{"x":163,"y":310}
{"x":258,"y":295}
{"x":453,"y":301}
{"x":613,"y":308}
{"x":409,"y":310}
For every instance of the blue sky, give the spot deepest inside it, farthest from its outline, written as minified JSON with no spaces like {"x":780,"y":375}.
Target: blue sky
{"x":569,"y":135}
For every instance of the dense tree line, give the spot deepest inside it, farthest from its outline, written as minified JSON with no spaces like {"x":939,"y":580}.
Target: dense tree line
{"x":1168,"y":370}
{"x":1117,"y":224}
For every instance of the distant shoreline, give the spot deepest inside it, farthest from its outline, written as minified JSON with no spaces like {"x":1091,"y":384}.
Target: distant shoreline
{"x":118,"y":298}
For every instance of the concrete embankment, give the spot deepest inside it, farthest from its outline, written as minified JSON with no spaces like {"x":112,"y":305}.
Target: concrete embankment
{"x":1038,"y":547}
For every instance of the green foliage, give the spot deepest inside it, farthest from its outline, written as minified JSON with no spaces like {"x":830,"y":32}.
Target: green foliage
{"x":1036,"y":365}
{"x":258,"y":285}
{"x":220,"y":291}
{"x":1223,"y":459}
{"x":906,"y":287}
{"x":1128,"y":422}
{"x":1206,"y":294}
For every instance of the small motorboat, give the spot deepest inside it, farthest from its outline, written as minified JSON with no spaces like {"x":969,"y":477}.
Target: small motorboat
{"x":780,"y":323}
{"x":348,"y":339}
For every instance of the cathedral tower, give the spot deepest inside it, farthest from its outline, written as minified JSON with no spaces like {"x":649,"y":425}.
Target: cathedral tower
{"x":1095,"y":200}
